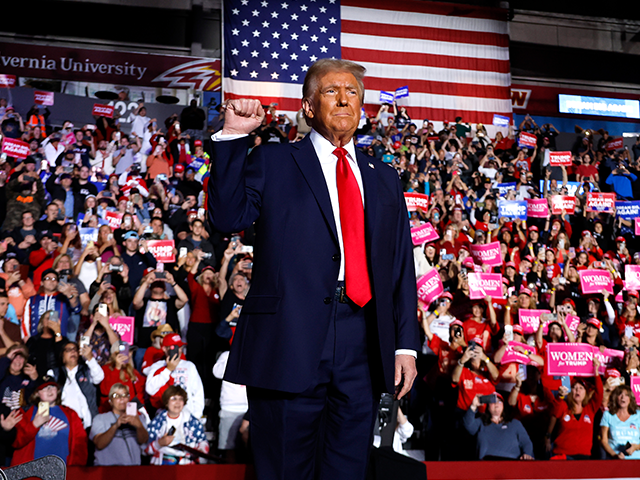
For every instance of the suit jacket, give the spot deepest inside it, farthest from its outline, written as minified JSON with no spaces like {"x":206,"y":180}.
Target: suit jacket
{"x":286,"y":315}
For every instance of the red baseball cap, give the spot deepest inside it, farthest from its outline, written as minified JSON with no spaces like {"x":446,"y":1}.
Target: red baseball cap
{"x":197,"y":143}
{"x":594,"y":322}
{"x":172,"y":339}
{"x":621,"y":239}
{"x":632,"y":293}
{"x":447,"y":295}
{"x":611,"y":372}
{"x":533,"y":228}
{"x":568,"y":300}
{"x":510,"y":264}
{"x":518,"y":329}
{"x":178,"y":168}
{"x":468,"y":261}
{"x":525,"y":291}
{"x":456,"y":322}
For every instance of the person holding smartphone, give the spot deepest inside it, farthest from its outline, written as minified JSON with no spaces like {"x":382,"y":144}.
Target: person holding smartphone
{"x":119,"y":435}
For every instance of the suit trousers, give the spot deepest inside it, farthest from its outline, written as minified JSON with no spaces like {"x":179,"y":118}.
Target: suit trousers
{"x":325,"y":432}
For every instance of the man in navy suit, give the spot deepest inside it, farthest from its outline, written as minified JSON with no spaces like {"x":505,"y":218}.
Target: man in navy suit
{"x":330,"y":320}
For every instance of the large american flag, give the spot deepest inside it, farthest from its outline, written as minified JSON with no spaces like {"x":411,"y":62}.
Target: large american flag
{"x":453,"y":58}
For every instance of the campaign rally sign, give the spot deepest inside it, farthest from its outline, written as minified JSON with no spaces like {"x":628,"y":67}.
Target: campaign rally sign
{"x":489,"y":254}
{"x":416,"y":201}
{"x":423,"y":234}
{"x":500,"y":121}
{"x":563,"y":202}
{"x":365,"y":140}
{"x":387,"y":158}
{"x":601,"y":202}
{"x":628,"y":210}
{"x":402,"y":92}
{"x":513,"y":209}
{"x":632,"y":277}
{"x":102,"y":110}
{"x":162,"y":250}
{"x":537,"y":207}
{"x":573,"y":188}
{"x":429,"y":286}
{"x":530,"y":319}
{"x":635,"y":387}
{"x":616,"y":144}
{"x":513,"y":356}
{"x":576,"y":359}
{"x":483,"y":284}
{"x":15,"y":148}
{"x":396,"y":138}
{"x":114,"y":219}
{"x":386,"y":97}
{"x":527,"y":140}
{"x":43,"y":98}
{"x":7,"y":81}
{"x":572,"y":322}
{"x":593,"y":281}
{"x":123,"y":326}
{"x":503,"y":188}
{"x":637,"y":226}
{"x":88,"y":235}
{"x":557,"y":159}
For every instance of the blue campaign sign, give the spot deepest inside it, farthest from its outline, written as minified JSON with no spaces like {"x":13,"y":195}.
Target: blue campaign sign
{"x":505,"y":187}
{"x":513,"y":209}
{"x":88,"y":235}
{"x":386,"y":97}
{"x":402,"y":92}
{"x":387,"y":158}
{"x":501,"y":120}
{"x":365,"y":140}
{"x":573,"y":188}
{"x":628,"y":210}
{"x":196,"y":164}
{"x":396,"y":138}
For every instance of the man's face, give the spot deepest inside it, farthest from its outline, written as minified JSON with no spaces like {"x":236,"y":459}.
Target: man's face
{"x":196,"y":228}
{"x":158,"y":227}
{"x":52,"y":211}
{"x":84,"y":173}
{"x":131,"y":244}
{"x":335,"y":111}
{"x":79,"y":136}
{"x":50,"y":282}
{"x":27,"y":219}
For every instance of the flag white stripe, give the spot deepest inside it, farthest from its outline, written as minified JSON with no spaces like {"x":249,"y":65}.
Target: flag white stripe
{"x":412,"y":45}
{"x":263,"y":89}
{"x":391,"y":17}
{"x":435,"y":74}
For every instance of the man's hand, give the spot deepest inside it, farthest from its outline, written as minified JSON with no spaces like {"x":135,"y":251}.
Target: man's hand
{"x":10,"y":420}
{"x":405,"y":369}
{"x":242,"y":116}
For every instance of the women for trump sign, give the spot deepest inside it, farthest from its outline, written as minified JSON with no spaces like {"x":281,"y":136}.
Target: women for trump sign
{"x":483,"y":284}
{"x":594,"y":281}
{"x":429,"y":286}
{"x":576,"y":359}
{"x":488,"y":254}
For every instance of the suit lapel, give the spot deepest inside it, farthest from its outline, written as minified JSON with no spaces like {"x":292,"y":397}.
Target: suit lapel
{"x":308,"y":163}
{"x":370,"y":184}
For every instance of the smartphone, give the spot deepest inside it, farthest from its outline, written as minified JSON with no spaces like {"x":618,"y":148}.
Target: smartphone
{"x":132,"y":409}
{"x":160,"y":267}
{"x":43,"y":408}
{"x":53,"y":316}
{"x":103,"y":309}
{"x":201,"y":212}
{"x":566,"y":381}
{"x":522,"y":370}
{"x":246,"y":249}
{"x":123,"y":349}
{"x":84,"y":341}
{"x":183,"y":252}
{"x":171,"y":431}
{"x":485,"y":399}
{"x":174,"y":351}
{"x":508,"y":333}
{"x":628,"y":331}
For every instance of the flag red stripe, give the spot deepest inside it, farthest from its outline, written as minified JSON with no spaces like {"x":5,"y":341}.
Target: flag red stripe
{"x":425,"y":33}
{"x":426,"y":60}
{"x":435,"y":8}
{"x":418,"y":114}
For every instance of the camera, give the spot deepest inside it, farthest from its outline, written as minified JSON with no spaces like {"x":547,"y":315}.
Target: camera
{"x":116,"y":268}
{"x":206,"y":255}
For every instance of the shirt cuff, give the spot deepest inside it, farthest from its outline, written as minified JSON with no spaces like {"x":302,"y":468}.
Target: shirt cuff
{"x":219,"y":137}
{"x":404,"y":351}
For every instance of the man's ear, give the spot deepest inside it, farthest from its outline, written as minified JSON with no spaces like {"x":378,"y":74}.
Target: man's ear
{"x":307,"y":108}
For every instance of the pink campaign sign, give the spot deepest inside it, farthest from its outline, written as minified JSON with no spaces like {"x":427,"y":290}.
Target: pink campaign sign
{"x":483,"y":284}
{"x":530,"y":320}
{"x":563,"y":202}
{"x":114,"y":219}
{"x":423,"y":234}
{"x":632,"y":277}
{"x":537,"y":207}
{"x":635,"y":387}
{"x":637,"y":225}
{"x":593,"y":281}
{"x":43,"y":98}
{"x":15,"y":148}
{"x":576,"y":359}
{"x":124,"y":327}
{"x":512,"y":356}
{"x":489,"y":254}
{"x":572,"y":322}
{"x":429,"y":286}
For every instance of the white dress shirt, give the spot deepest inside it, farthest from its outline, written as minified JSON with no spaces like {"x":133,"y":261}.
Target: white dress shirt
{"x":72,"y":395}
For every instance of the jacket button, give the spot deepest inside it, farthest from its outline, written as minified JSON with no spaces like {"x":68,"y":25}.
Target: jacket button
{"x":327,"y":300}
{"x":336,"y":257}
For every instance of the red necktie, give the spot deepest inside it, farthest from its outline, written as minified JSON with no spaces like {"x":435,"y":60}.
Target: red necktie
{"x":356,"y":271}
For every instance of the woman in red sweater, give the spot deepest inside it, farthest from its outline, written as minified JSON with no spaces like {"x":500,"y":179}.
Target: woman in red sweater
{"x":120,"y":370}
{"x":574,"y":418}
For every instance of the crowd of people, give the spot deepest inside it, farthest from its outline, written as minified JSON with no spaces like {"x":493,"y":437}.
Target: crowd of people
{"x":81,"y":212}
